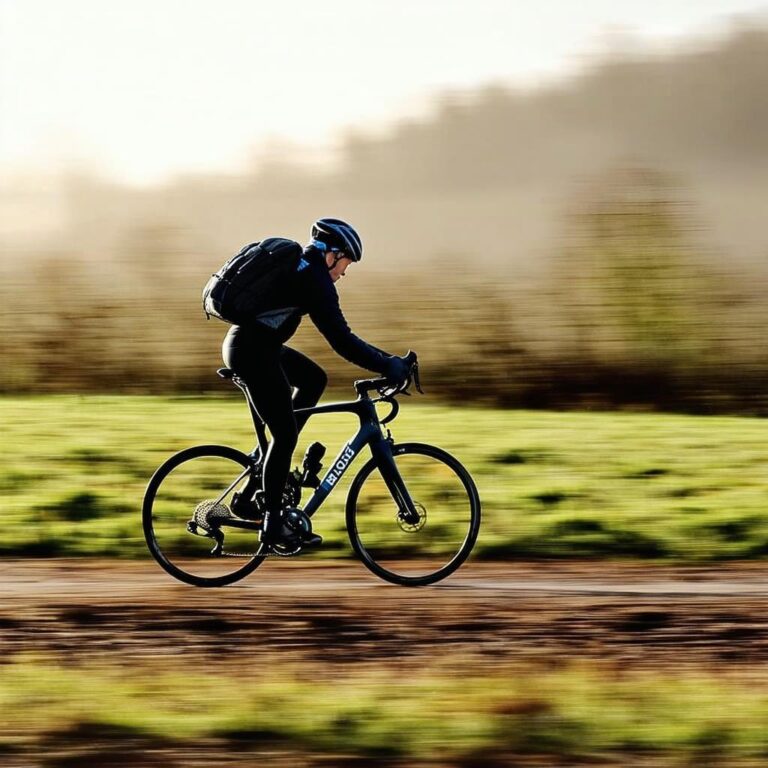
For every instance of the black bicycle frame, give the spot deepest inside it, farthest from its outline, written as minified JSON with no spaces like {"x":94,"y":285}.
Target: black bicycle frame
{"x":369,"y":434}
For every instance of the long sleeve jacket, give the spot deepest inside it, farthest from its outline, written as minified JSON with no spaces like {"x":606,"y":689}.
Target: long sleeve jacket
{"x":311,"y":291}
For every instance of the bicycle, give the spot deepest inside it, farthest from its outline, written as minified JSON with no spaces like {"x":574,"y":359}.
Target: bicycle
{"x":413,"y":522}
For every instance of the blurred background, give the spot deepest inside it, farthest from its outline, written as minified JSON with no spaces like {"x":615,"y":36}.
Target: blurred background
{"x":563,"y":207}
{"x":559,"y":208}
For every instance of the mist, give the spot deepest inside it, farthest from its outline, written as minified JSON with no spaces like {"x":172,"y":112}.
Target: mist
{"x":485,"y":250}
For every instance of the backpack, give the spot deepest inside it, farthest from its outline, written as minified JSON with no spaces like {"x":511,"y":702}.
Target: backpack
{"x":239,"y":291}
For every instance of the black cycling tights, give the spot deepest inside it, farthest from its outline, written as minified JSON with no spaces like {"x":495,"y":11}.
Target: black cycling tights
{"x":270,"y":370}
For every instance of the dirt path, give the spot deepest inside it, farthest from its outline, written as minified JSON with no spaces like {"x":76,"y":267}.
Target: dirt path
{"x":33,"y":579}
{"x":338,"y":613}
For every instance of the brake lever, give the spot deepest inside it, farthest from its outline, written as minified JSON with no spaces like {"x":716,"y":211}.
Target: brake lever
{"x":412,"y":378}
{"x":416,"y":378}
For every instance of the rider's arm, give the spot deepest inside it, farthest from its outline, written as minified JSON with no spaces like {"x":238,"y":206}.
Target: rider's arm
{"x":325,"y":312}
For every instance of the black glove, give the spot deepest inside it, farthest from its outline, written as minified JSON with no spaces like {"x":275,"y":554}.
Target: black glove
{"x":396,"y":370}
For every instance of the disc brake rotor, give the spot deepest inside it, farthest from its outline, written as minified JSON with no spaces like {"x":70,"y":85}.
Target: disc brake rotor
{"x":418,"y":524}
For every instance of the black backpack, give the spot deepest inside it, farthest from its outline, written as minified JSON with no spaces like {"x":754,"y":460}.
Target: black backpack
{"x":239,"y":291}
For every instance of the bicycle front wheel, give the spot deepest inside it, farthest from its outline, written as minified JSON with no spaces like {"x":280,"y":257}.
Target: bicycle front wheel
{"x":184,"y":489}
{"x":415,"y":552}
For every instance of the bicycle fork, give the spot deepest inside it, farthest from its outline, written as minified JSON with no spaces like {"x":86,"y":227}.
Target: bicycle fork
{"x":382,"y":452}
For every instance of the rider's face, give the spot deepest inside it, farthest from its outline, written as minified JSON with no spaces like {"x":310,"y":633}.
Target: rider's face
{"x":340,"y":268}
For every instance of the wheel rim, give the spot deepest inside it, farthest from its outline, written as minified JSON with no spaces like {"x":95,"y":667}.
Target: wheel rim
{"x":192,"y":486}
{"x":416,"y":550}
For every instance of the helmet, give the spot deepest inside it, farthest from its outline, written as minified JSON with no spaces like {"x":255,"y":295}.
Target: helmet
{"x":336,"y":233}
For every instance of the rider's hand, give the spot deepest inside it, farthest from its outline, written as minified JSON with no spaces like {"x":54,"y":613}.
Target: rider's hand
{"x":397,"y":370}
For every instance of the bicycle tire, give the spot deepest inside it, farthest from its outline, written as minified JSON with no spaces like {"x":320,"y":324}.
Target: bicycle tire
{"x":463,"y":552}
{"x":155,"y":483}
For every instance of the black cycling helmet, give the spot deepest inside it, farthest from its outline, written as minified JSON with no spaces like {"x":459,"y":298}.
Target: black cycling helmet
{"x":336,"y":233}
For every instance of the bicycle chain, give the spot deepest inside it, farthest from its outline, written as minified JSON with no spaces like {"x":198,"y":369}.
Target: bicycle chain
{"x":270,"y":553}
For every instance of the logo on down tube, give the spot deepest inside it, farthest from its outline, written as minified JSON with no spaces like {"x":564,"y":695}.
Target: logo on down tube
{"x":337,"y":470}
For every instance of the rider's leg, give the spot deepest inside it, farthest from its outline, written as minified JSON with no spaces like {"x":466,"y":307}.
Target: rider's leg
{"x":271,"y":395}
{"x":255,"y":357}
{"x":309,"y":380}
{"x":307,"y":377}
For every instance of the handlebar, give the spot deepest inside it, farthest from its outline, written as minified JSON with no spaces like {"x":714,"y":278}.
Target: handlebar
{"x":386,"y":388}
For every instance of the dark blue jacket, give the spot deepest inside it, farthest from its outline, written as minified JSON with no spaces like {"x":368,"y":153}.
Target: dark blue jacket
{"x":311,"y":291}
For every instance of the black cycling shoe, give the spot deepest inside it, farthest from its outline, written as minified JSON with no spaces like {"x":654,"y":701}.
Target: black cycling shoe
{"x":290,"y":532}
{"x":293,"y":547}
{"x":312,"y":541}
{"x":245,"y":509}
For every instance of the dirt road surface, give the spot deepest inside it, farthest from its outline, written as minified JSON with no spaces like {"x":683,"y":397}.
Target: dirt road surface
{"x":336,"y":613}
{"x":327,"y":620}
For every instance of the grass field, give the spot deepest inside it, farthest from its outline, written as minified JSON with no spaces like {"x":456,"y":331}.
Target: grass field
{"x":73,"y":471}
{"x":576,"y":711}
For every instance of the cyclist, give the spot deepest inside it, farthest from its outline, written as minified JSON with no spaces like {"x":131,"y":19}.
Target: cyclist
{"x":258,"y":355}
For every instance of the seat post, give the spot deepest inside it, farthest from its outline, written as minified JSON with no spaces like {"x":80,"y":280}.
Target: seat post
{"x":258,"y":423}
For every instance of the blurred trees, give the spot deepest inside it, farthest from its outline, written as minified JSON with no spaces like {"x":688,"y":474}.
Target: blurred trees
{"x":634,"y":288}
{"x":640,"y":301}
{"x":632,"y":313}
{"x":595,"y":243}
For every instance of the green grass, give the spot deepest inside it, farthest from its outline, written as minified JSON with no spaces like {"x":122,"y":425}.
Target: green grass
{"x":73,"y":471}
{"x":573,"y":711}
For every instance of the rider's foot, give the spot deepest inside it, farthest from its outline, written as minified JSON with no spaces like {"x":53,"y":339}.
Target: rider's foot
{"x":280,"y":529}
{"x":244,"y":508}
{"x":312,"y":541}
{"x":306,"y":545}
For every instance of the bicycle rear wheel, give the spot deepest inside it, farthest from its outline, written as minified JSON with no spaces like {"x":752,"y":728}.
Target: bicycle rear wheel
{"x":194,"y":481}
{"x":424,"y":551}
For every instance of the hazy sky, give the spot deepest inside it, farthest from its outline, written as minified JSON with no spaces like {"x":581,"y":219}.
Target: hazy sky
{"x":143,"y":89}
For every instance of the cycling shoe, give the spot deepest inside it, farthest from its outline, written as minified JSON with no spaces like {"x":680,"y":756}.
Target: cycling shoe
{"x":245,"y":509}
{"x":290,"y":531}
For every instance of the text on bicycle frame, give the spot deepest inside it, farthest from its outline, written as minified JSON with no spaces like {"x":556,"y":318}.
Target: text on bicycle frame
{"x":337,"y":470}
